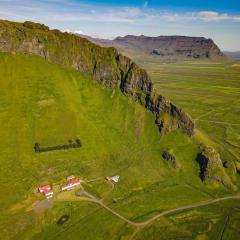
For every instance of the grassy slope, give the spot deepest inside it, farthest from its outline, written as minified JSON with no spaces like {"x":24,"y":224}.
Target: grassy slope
{"x":41,"y":102}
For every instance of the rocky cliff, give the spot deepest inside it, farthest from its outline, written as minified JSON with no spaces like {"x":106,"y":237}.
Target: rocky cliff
{"x":105,"y":65}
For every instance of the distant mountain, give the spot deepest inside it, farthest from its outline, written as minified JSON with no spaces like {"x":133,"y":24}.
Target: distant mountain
{"x":235,"y":55}
{"x":164,"y":47}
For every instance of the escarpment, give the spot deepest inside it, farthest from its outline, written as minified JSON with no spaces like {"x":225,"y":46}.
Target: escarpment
{"x":105,"y":65}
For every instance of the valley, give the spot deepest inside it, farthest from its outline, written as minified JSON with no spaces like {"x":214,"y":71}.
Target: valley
{"x":178,"y":159}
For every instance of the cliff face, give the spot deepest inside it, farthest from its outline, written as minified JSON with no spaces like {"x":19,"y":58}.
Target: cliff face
{"x":105,"y":65}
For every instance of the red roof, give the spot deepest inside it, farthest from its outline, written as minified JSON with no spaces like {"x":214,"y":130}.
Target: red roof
{"x":72,"y":182}
{"x":76,"y":180}
{"x":44,"y":188}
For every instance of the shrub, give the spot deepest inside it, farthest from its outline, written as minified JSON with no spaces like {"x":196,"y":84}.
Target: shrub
{"x":33,"y":25}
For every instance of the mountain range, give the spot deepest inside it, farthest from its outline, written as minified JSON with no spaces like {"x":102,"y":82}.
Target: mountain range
{"x":164,"y":48}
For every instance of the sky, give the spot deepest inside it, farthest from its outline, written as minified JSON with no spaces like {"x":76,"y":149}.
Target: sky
{"x":216,"y":19}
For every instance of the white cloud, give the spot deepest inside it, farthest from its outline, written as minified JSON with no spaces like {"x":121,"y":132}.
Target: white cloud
{"x":205,"y":16}
{"x":64,"y":11}
{"x":73,"y":31}
{"x":78,"y":32}
{"x":215,"y":16}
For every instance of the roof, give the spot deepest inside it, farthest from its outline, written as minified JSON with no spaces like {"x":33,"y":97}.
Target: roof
{"x":44,"y":188}
{"x":70,"y":177}
{"x":115,"y":178}
{"x":72,"y":182}
{"x":48,"y":192}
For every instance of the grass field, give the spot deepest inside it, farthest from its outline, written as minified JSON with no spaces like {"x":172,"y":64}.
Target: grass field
{"x":42,"y":102}
{"x":219,"y":221}
{"x":210,"y":93}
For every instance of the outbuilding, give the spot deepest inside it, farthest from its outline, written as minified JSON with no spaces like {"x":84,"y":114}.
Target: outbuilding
{"x":114,"y":179}
{"x":46,"y":190}
{"x":71,"y":184}
{"x":70,"y":177}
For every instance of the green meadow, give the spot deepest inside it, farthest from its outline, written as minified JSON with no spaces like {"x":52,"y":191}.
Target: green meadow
{"x":45,"y":103}
{"x":218,"y":221}
{"x":210,"y":93}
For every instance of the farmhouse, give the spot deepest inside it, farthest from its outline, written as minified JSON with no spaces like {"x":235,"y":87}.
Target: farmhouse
{"x":71,"y":184}
{"x":46,"y":190}
{"x":114,"y":179}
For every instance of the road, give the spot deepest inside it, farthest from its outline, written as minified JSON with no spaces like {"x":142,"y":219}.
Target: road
{"x":218,"y":122}
{"x":187,"y":207}
{"x":95,"y":200}
{"x":164,"y":213}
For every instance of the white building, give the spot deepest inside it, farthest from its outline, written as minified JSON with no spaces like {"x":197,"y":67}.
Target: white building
{"x":114,"y":179}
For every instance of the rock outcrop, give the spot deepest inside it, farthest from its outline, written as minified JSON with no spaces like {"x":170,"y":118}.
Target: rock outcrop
{"x":105,"y":65}
{"x":237,"y":167}
{"x":211,"y":168}
{"x":169,"y":157}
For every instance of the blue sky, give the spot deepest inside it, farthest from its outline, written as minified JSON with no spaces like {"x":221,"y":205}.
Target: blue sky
{"x":216,"y":19}
{"x":231,"y":5}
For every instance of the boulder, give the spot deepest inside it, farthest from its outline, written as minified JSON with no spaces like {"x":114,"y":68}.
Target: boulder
{"x":169,"y":157}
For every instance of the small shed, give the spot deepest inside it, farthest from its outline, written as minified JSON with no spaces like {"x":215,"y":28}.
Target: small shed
{"x":114,"y":179}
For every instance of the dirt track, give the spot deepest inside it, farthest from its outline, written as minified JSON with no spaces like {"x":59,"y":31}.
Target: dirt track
{"x":164,"y":213}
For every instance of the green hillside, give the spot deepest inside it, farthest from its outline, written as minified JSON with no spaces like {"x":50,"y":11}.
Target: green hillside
{"x":45,"y":103}
{"x":104,"y":65}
